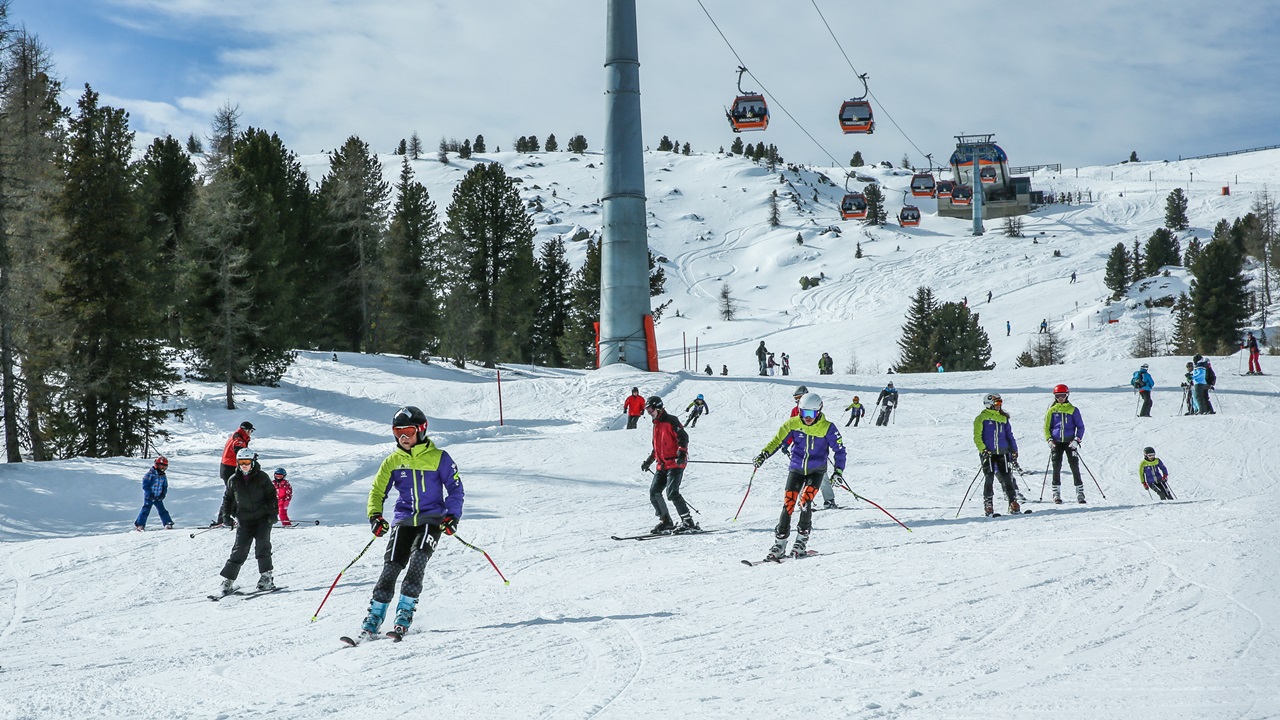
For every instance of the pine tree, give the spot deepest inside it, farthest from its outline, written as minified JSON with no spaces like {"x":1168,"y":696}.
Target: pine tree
{"x":917,"y":334}
{"x":1137,"y":263}
{"x":736,"y":148}
{"x":684,"y":149}
{"x":1133,"y":156}
{"x":577,"y":144}
{"x":1219,"y":298}
{"x":442,"y":152}
{"x":1163,"y":248}
{"x":1183,"y":341}
{"x":353,"y":204}
{"x":532,"y":145}
{"x":194,"y":146}
{"x":1193,"y":250}
{"x":415,"y":146}
{"x":665,"y":145}
{"x":478,"y":146}
{"x":578,"y":343}
{"x":168,"y":192}
{"x":775,"y":218}
{"x":1175,"y":210}
{"x":957,"y":340}
{"x":410,"y":295}
{"x":1147,"y":342}
{"x":1043,"y":349}
{"x":856,"y":160}
{"x":554,"y":302}
{"x":464,"y":151}
{"x":728,"y":306}
{"x":1117,"y":275}
{"x":551,"y":145}
{"x":492,"y":240}
{"x":876,"y":213}
{"x":114,"y":361}
{"x":857,"y":253}
{"x":657,"y":276}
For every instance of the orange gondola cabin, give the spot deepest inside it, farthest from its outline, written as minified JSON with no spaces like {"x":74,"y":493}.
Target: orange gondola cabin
{"x":749,"y":112}
{"x":943,"y":189}
{"x":962,"y":195}
{"x":853,"y":206}
{"x":922,"y":185}
{"x":856,"y":117}
{"x":909,"y":216}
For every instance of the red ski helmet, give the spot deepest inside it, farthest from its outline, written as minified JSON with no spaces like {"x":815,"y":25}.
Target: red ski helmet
{"x":1060,"y":389}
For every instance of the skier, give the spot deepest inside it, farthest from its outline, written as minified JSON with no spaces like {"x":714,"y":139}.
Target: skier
{"x":1188,"y":396}
{"x":938,"y":367}
{"x":633,"y":406}
{"x":762,"y":354}
{"x":238,"y":440}
{"x":1202,"y":380}
{"x":887,"y":401}
{"x":771,"y":364}
{"x":707,"y":370}
{"x":671,"y":452}
{"x":988,"y":297}
{"x":1154,"y":475}
{"x":799,"y":394}
{"x":826,"y":365}
{"x":828,"y":492}
{"x":284,"y":495}
{"x":695,"y":410}
{"x":1063,"y":431}
{"x":1073,"y":276}
{"x":997,"y":448}
{"x":1044,"y":326}
{"x":251,"y":499}
{"x":1142,"y":383}
{"x":429,"y":502}
{"x":154,"y":487}
{"x":724,"y":369}
{"x":786,"y":364}
{"x":856,"y":411}
{"x":1008,"y":328}
{"x":1251,"y":344}
{"x":812,"y":438}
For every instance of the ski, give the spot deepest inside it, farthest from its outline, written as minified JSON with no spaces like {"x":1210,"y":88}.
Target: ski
{"x":753,"y":563}
{"x":1024,"y":512}
{"x":216,"y":598}
{"x":257,"y":593}
{"x":654,"y":536}
{"x":364,"y":635}
{"x":838,"y":507}
{"x":396,"y":635}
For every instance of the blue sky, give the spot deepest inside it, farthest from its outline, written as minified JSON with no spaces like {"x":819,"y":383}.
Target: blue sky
{"x":1080,"y":85}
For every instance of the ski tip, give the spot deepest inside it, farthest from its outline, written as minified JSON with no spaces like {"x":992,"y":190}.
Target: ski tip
{"x":348,"y":641}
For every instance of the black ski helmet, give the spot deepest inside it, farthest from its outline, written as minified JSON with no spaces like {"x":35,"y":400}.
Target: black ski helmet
{"x":410,"y":415}
{"x":246,"y":425}
{"x":800,"y":392}
{"x":1148,"y":450}
{"x":653,"y":403}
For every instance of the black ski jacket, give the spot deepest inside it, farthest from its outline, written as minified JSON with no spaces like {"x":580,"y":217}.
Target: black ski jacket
{"x":250,"y":497}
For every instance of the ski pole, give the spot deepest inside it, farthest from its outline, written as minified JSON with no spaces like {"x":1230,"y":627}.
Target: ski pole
{"x":744,"y":497}
{"x":344,"y":570}
{"x":298,"y":523}
{"x":873,"y":502}
{"x":505,"y":581}
{"x":211,"y":527}
{"x":1095,"y":480}
{"x":719,"y":462}
{"x":1046,"y":475}
{"x":966,"y":492}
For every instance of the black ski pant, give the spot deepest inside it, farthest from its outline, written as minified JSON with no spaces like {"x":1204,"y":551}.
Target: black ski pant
{"x":668,"y":480}
{"x":257,"y":532}
{"x":631,"y":421}
{"x":1161,"y":487}
{"x":997,"y":465}
{"x":225,"y":472}
{"x":883,"y":417}
{"x":407,"y":546}
{"x":1058,"y":449}
{"x":1146,"y":403}
{"x":1203,"y":406}
{"x":801,"y":489}
{"x":855,"y":419}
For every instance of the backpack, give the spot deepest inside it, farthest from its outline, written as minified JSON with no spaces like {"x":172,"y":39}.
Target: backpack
{"x":1210,"y":377}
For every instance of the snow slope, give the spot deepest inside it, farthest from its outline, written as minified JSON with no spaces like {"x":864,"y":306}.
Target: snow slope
{"x":1123,"y":607}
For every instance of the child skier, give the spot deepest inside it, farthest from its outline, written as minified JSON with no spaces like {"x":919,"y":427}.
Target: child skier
{"x":993,"y":434}
{"x":671,"y":452}
{"x":251,"y":499}
{"x":695,"y":410}
{"x":154,"y":487}
{"x":1154,"y":475}
{"x":429,"y":502}
{"x":1064,"y":430}
{"x":856,"y":411}
{"x":284,"y":495}
{"x":812,"y":438}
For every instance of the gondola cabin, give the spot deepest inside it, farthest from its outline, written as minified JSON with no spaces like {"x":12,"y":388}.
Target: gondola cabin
{"x":943,"y":189}
{"x":856,"y":117}
{"x":749,"y":112}
{"x":987,"y":174}
{"x":922,"y":185}
{"x":853,"y":206}
{"x":961,"y":195}
{"x":909,"y":216}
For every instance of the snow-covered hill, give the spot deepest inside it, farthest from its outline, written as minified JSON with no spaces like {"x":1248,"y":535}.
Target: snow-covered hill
{"x":1123,"y":607}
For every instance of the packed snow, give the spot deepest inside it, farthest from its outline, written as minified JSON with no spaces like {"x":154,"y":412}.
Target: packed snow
{"x":1122,"y":607}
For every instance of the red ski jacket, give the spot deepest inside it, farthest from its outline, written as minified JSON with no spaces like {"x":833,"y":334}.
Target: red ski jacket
{"x":670,"y":442}
{"x":634,"y":405}
{"x":238,"y":439}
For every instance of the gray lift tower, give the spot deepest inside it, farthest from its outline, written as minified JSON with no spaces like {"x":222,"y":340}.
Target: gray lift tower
{"x":626,"y":318}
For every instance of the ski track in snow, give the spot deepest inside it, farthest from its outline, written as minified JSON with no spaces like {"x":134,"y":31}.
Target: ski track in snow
{"x":1121,"y":608}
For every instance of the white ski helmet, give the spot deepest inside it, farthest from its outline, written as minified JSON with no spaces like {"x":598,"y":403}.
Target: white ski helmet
{"x":990,"y":400}
{"x":244,"y":454}
{"x":811,"y":402}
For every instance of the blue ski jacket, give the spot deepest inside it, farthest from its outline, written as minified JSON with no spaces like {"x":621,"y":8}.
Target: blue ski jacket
{"x":154,"y":485}
{"x":1142,"y":380}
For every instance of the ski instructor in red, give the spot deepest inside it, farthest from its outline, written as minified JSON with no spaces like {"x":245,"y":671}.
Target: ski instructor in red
{"x":429,"y":503}
{"x":634,"y":407}
{"x":671,"y":451}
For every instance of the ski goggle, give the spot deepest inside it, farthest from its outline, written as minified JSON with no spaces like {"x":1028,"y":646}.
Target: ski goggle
{"x":1149,"y":456}
{"x":1060,"y":397}
{"x":244,"y":463}
{"x":405,"y":431}
{"x":809,"y":414}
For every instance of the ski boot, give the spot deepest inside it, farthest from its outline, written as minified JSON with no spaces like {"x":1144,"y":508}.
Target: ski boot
{"x":373,"y":621}
{"x":1080,"y":495}
{"x":168,"y":526}
{"x":139,"y":528}
{"x":988,"y":508}
{"x":265,"y":581}
{"x":1057,"y":496}
{"x":1014,"y":508}
{"x":687,"y":525}
{"x":663,"y":527}
{"x":404,"y":617}
{"x":226,"y":588}
{"x":829,"y":505}
{"x":800,"y":547}
{"x":778,"y":550}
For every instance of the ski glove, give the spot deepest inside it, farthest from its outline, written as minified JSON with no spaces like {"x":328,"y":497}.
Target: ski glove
{"x":985,"y":455}
{"x":1013,"y":457}
{"x":1145,"y":486}
{"x":449,"y":524}
{"x":644,"y":466}
{"x":379,"y":525}
{"x":1075,"y":444}
{"x":682,"y":456}
{"x":760,"y":459}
